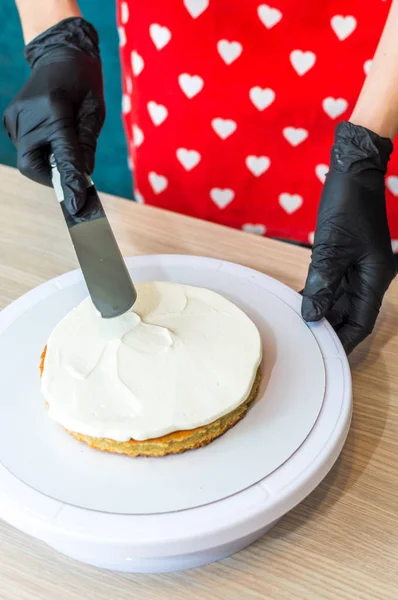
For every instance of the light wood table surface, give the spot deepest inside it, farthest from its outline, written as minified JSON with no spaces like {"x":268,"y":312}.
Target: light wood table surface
{"x":340,"y":543}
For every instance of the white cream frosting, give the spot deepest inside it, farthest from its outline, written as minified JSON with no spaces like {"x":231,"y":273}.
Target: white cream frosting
{"x":181,"y":358}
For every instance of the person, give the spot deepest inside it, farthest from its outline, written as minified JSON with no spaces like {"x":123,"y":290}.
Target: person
{"x":229,"y":109}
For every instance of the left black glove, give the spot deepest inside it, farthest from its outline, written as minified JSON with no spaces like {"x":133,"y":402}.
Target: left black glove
{"x":352,"y":261}
{"x":61,"y":108}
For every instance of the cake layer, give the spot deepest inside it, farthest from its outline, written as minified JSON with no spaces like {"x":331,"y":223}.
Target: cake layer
{"x":181,"y":359}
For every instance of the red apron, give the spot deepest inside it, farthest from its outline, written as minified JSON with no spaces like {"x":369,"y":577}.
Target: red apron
{"x":230,"y":105}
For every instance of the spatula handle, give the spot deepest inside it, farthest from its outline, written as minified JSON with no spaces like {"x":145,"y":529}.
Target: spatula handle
{"x":56,"y":179}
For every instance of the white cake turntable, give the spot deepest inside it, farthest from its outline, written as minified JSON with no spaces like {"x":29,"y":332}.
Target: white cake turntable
{"x":177,"y":512}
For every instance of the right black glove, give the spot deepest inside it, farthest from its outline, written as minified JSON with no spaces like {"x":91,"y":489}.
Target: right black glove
{"x":352,"y":261}
{"x":60,"y":109}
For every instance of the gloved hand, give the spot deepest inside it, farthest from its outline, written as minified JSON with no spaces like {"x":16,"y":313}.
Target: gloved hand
{"x":61,"y":108}
{"x":352,"y":261}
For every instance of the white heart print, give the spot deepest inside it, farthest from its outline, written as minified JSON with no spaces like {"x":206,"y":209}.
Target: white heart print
{"x":188,"y":158}
{"x":302,"y":61}
{"x":295,"y":135}
{"x":290,"y":202}
{"x":311,"y":237}
{"x":196,"y":7}
{"x":261,"y":98}
{"x":190,"y":84}
{"x":138,"y":197}
{"x":158,"y":182}
{"x":334,"y":107}
{"x":138,"y":136}
{"x":157,"y":112}
{"x":257,"y":164}
{"x":321,"y":171}
{"x":343,"y":26}
{"x":392,"y":184}
{"x":137,"y":63}
{"x":256,"y":228}
{"x":159,"y":35}
{"x":268,"y":16}
{"x":229,"y":51}
{"x":126,"y":104}
{"x":366,"y":66}
{"x":124,"y":13}
{"x":223,"y":127}
{"x":222,"y":197}
{"x":122,"y":36}
{"x":394,"y":246}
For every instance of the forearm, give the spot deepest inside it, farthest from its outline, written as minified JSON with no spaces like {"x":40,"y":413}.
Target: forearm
{"x":38,"y":15}
{"x":377,"y":105}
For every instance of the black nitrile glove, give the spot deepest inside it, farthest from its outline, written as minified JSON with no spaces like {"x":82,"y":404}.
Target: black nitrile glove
{"x":61,"y":108}
{"x":352,"y":261}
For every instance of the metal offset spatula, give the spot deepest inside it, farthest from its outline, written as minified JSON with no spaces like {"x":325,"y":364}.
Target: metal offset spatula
{"x":101,"y":261}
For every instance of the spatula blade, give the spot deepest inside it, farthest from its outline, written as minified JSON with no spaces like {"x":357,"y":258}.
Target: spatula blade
{"x":104,"y":270}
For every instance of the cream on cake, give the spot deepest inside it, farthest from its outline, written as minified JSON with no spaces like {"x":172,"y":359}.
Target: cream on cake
{"x":182,"y":358}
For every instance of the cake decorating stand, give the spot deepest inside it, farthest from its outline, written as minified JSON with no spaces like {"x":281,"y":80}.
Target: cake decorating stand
{"x":176,"y":512}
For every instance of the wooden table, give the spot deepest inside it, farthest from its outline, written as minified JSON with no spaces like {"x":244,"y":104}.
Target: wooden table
{"x":340,"y":543}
